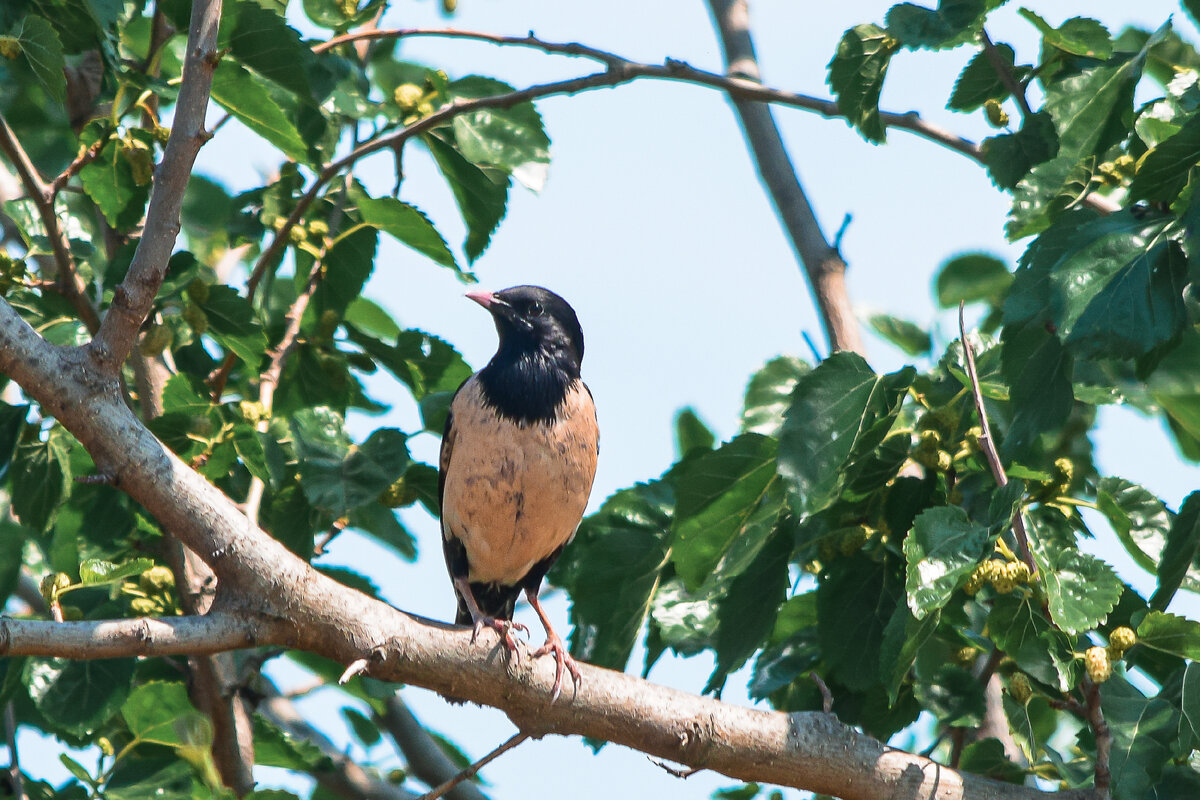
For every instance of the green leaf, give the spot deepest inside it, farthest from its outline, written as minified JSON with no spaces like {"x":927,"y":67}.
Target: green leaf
{"x":364,"y":729}
{"x":1009,"y":157}
{"x":1049,"y":189}
{"x":970,"y":278}
{"x":348,"y":266}
{"x":954,"y":696}
{"x":1163,"y":171}
{"x":855,"y":599}
{"x":839,"y":411}
{"x":1182,"y":548}
{"x":1170,"y":633}
{"x":231,"y":322}
{"x":769,"y":393}
{"x":12,"y":542}
{"x":161,"y":777}
{"x":691,"y":433}
{"x":1140,"y":519}
{"x":12,"y":422}
{"x":952,"y":23}
{"x":988,"y":758}
{"x":942,"y":551}
{"x":263,"y":41}
{"x":244,"y":96}
{"x":716,"y":495}
{"x":39,"y":480}
{"x":43,"y":52}
{"x":902,"y":641}
{"x":1142,"y":733}
{"x":341,"y":477}
{"x":908,"y":336}
{"x":1080,"y":36}
{"x":95,"y":572}
{"x":623,"y":544}
{"x":274,"y":747}
{"x":1081,"y":589}
{"x":747,"y":613}
{"x":511,"y":139}
{"x":371,"y":318}
{"x":381,"y":523}
{"x":1089,"y":108}
{"x":77,"y":697}
{"x":1038,"y":371}
{"x":1111,"y":286}
{"x":482,"y":197}
{"x":406,"y":224}
{"x":108,"y":180}
{"x":980,"y":82}
{"x":161,"y":713}
{"x":856,"y":76}
{"x":1026,"y":636}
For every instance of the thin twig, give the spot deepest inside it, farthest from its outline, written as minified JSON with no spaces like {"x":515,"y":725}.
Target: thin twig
{"x":470,"y":771}
{"x":826,"y":695}
{"x":16,"y":782}
{"x":69,"y":282}
{"x":423,"y":756}
{"x":320,"y":547}
{"x":1005,"y":75}
{"x":1102,"y":735}
{"x":357,"y":667}
{"x":85,"y":157}
{"x":989,"y":446}
{"x":675,"y":771}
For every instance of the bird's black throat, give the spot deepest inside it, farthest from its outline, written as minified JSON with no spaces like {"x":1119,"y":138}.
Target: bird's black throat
{"x":528,"y":386}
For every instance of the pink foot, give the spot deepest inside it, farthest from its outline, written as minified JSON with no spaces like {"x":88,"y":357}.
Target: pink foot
{"x":504,"y":627}
{"x":554,"y":644}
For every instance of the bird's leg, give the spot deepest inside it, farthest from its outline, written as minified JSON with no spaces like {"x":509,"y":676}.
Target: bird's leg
{"x":554,"y":644}
{"x":504,"y":627}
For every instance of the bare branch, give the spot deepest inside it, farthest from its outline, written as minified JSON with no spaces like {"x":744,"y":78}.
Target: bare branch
{"x":425,"y":759}
{"x":69,"y":281}
{"x":823,"y":265}
{"x":133,"y":299}
{"x":988,"y":445}
{"x":121,"y":638}
{"x":15,"y":781}
{"x":1103,"y":736}
{"x":469,"y":772}
{"x":346,"y":779}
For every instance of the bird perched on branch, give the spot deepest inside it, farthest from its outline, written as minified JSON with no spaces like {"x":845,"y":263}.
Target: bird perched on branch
{"x":517,"y":462}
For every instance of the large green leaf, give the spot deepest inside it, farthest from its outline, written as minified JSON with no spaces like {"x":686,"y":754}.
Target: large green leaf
{"x":747,"y":612}
{"x":482,"y":197}
{"x":769,"y":393}
{"x":1080,"y":36}
{"x":407,"y":224}
{"x":970,"y":278}
{"x":263,"y":41}
{"x":77,"y":697}
{"x":12,"y":422}
{"x":1163,"y":172}
{"x":1081,"y":589}
{"x":348,"y":265}
{"x":952,"y":23}
{"x":716,"y":494}
{"x":161,"y":713}
{"x":911,"y":338}
{"x":1009,"y":157}
{"x":980,"y":81}
{"x":338,"y":476}
{"x":232,"y":323}
{"x":856,"y":76}
{"x":902,"y":641}
{"x":43,"y":52}
{"x":1170,"y":633}
{"x":1142,"y":734}
{"x":274,"y":747}
{"x":108,"y":180}
{"x":1027,"y":637}
{"x":511,"y":139}
{"x":839,"y":411}
{"x":855,"y":599}
{"x":39,"y":471}
{"x":1111,"y":286}
{"x":1049,"y":189}
{"x":625,"y":545}
{"x":245,"y":96}
{"x":1140,"y":519}
{"x":1090,"y":108}
{"x":1181,"y":551}
{"x":942,"y":551}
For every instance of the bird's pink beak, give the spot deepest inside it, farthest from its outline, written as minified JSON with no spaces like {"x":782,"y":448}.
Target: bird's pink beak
{"x":483,"y":297}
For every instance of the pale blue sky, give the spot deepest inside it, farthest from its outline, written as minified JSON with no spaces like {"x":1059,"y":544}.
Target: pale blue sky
{"x":654,"y":226}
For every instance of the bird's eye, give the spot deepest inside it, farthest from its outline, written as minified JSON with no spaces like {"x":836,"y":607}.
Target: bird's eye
{"x":536,"y":309}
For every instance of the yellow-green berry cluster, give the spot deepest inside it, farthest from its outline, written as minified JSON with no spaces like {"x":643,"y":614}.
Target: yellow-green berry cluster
{"x":1098,"y":664}
{"x":153,"y":594}
{"x":1004,"y":576}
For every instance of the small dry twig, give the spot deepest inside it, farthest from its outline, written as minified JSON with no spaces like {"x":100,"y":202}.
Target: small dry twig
{"x":470,"y":771}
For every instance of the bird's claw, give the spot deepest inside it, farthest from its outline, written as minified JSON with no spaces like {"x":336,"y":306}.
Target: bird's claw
{"x":504,"y":627}
{"x":554,"y":644}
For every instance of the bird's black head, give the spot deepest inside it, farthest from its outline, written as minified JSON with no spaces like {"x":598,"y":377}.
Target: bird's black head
{"x":541,"y":347}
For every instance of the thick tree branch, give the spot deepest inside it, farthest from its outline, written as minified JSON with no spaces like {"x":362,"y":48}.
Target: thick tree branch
{"x":145,"y":636}
{"x":134,"y":298}
{"x":425,"y":759}
{"x":823,"y":265}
